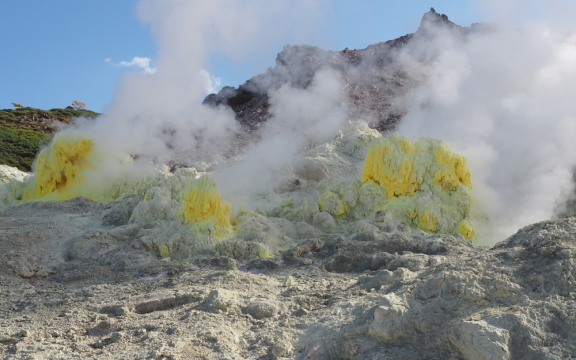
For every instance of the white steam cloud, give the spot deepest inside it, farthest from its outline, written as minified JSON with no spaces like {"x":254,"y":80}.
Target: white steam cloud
{"x":317,"y":111}
{"x":504,"y":99}
{"x":160,"y":114}
{"x":212,"y":83}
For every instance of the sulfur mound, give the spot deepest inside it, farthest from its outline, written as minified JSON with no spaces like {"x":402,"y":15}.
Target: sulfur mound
{"x":424,"y":181}
{"x":75,"y":165}
{"x":403,"y":168}
{"x":423,"y":184}
{"x":202,"y":203}
{"x":59,"y":167}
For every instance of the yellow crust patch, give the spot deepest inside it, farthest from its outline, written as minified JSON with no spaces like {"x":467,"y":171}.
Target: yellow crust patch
{"x":466,"y":229}
{"x":401,"y":167}
{"x":426,"y":221}
{"x":389,"y":164}
{"x":414,"y":174}
{"x":453,"y":170}
{"x":330,"y":202}
{"x":59,"y":168}
{"x":202,"y":202}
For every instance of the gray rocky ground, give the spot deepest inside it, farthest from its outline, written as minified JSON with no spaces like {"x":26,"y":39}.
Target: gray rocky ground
{"x":76,"y":282}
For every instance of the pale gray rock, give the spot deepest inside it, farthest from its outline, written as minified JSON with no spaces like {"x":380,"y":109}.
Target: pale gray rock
{"x":122,"y":311}
{"x":221,"y":299}
{"x":390,"y":318}
{"x":102,"y":327}
{"x":480,"y":340}
{"x":395,"y":294}
{"x":117,"y":336}
{"x":325,"y":222}
{"x":281,"y":349}
{"x":261,"y":309}
{"x":289,"y":281}
{"x":413,"y":262}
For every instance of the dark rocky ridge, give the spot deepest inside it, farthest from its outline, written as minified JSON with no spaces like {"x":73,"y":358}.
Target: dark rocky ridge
{"x":375,"y":81}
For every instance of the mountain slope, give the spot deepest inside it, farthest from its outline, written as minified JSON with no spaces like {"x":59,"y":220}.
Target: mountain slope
{"x":24,"y":130}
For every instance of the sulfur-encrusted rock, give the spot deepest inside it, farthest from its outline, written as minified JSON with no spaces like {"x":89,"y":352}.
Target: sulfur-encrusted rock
{"x":325,"y":222}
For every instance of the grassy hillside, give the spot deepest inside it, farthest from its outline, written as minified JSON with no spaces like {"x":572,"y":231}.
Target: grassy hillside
{"x":23,"y":131}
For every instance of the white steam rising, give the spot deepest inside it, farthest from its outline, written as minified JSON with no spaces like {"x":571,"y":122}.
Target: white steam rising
{"x":158,"y":114}
{"x":504,"y":99}
{"x":298,"y":114}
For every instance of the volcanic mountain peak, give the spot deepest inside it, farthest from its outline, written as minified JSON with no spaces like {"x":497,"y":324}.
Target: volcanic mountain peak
{"x":372,"y":77}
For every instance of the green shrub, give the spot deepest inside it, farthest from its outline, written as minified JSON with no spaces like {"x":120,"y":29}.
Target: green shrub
{"x":19,"y":147}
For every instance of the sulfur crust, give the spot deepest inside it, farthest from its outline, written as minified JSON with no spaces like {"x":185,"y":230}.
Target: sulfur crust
{"x":405,"y":169}
{"x":401,"y":168}
{"x":60,"y":166}
{"x":390,"y":165}
{"x":466,"y":229}
{"x":203,"y":203}
{"x":427,"y":221}
{"x":331,"y":203}
{"x":72,"y":165}
{"x":453,"y":170}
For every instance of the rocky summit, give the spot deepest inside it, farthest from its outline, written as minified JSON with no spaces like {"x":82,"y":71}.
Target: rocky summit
{"x":374,"y":78}
{"x":365,"y":249}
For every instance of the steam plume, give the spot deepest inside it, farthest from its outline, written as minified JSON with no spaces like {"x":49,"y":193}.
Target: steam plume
{"x":502,"y":98}
{"x":157,"y":115}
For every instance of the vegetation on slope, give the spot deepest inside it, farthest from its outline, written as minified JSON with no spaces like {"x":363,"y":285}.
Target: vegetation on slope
{"x":19,"y":147}
{"x":24,"y":130}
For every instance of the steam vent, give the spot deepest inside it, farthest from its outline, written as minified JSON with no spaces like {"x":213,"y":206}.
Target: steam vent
{"x":306,"y":214}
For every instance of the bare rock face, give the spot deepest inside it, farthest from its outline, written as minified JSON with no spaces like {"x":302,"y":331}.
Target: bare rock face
{"x":389,"y":319}
{"x":261,"y":310}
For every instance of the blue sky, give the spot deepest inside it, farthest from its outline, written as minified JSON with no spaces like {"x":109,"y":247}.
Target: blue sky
{"x":54,"y":52}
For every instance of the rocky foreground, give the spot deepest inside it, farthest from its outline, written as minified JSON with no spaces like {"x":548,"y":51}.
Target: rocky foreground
{"x":73,"y":286}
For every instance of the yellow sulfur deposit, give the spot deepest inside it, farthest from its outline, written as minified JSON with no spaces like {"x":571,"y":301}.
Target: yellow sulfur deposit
{"x":390,"y":164}
{"x":424,"y":182}
{"x":75,"y":165}
{"x":203,"y":204}
{"x":467,"y":230}
{"x":59,"y":167}
{"x":427,"y":221}
{"x":453,"y":170}
{"x":401,"y":168}
{"x":330,"y":202}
